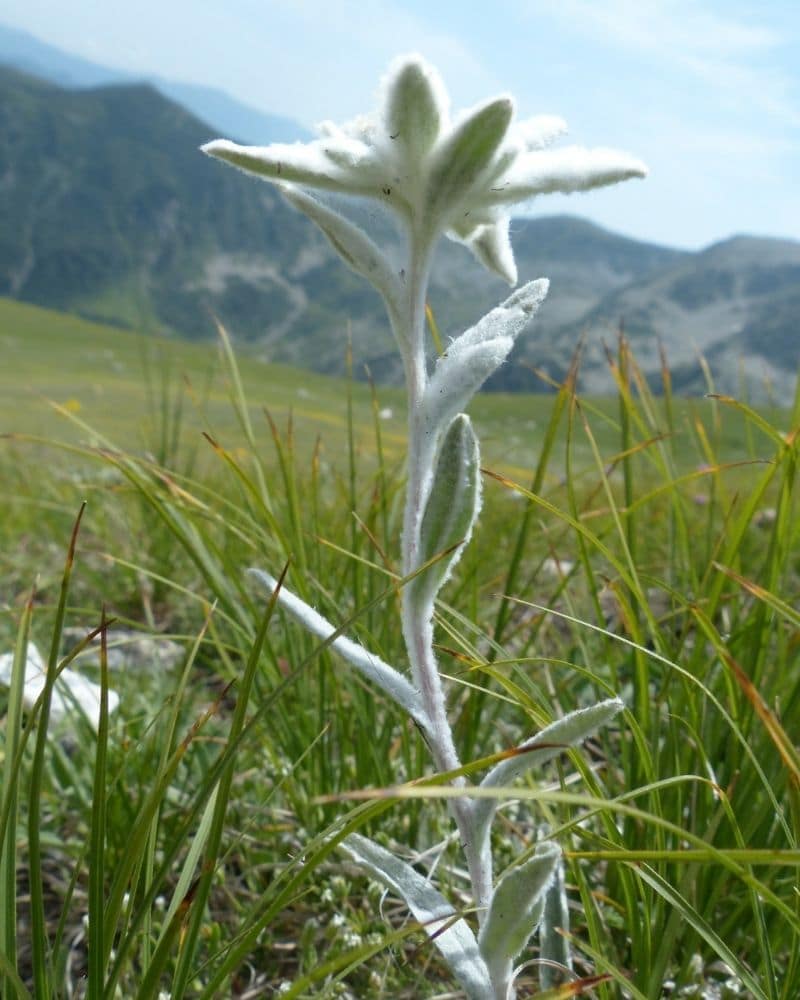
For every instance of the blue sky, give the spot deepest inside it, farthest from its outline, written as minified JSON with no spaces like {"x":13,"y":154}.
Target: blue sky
{"x":707,"y":93}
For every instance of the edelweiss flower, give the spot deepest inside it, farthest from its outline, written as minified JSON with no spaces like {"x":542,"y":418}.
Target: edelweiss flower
{"x":459,"y":178}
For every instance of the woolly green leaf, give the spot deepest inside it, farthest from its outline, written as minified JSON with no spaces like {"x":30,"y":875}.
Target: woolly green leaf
{"x":352,"y":244}
{"x":467,"y":152}
{"x":516,"y":909}
{"x":552,"y":741}
{"x":450,"y":933}
{"x":553,"y":946}
{"x":415,"y":101}
{"x":452,"y":507}
{"x":389,"y":680}
{"x":471,"y":358}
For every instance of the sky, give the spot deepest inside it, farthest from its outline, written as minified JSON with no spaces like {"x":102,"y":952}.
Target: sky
{"x":707,"y":92}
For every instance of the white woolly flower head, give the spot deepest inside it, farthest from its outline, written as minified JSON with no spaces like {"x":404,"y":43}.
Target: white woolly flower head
{"x":457,"y":178}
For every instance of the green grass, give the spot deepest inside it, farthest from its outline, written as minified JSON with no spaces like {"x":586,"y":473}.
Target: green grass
{"x":189,"y":845}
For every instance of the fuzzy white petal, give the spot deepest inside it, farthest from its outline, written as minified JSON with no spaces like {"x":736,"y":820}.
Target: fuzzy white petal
{"x":415,"y":107}
{"x":492,"y":246}
{"x":464,"y":157}
{"x":563,"y":170}
{"x":538,"y":132}
{"x":328,"y":164}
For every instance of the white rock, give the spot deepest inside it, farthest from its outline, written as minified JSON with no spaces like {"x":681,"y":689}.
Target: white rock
{"x":73,"y":692}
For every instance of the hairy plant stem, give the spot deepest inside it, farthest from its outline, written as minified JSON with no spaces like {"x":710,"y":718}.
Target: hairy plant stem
{"x":417,"y":614}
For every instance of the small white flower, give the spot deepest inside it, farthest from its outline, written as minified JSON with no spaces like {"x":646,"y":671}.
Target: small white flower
{"x":459,"y":178}
{"x":73,"y":692}
{"x":352,"y":939}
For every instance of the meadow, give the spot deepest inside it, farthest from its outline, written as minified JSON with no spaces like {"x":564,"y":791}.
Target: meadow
{"x":643,"y":545}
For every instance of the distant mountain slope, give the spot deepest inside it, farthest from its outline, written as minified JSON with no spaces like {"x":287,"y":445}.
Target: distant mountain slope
{"x":108,"y":209}
{"x":229,"y":117}
{"x":737,"y":303}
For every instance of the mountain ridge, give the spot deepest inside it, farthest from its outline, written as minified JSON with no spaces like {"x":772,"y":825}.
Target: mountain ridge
{"x":23,"y":51}
{"x":108,"y":209}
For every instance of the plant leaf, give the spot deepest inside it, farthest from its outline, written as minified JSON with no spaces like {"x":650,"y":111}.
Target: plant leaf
{"x":467,"y":152}
{"x":72,"y":692}
{"x":352,"y":244}
{"x":313,"y":164}
{"x":554,"y":947}
{"x":449,"y":932}
{"x":416,"y":103}
{"x":516,"y":909}
{"x":389,"y":680}
{"x":471,"y":358}
{"x":508,"y":319}
{"x":549,"y":743}
{"x":491,"y":244}
{"x":453,"y":505}
{"x":570,"y":169}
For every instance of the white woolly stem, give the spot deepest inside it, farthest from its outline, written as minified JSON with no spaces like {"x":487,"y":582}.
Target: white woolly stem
{"x":417,"y":631}
{"x":417,"y":614}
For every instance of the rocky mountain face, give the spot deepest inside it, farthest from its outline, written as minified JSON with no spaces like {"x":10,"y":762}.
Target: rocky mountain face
{"x":108,"y":209}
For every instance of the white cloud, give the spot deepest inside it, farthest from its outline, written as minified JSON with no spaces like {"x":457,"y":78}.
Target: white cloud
{"x":661,"y":25}
{"x":730,"y":54}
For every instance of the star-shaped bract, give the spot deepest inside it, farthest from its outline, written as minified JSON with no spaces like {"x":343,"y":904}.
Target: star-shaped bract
{"x":457,"y":177}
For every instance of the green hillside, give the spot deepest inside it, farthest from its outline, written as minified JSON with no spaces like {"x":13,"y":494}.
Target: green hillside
{"x":64,"y":378}
{"x":637,"y":525}
{"x":110,"y":210}
{"x":118,"y":383}
{"x":26,"y":53}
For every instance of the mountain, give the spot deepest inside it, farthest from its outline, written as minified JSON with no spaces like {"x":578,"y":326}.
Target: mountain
{"x":736,"y":303}
{"x":107,"y":209}
{"x":229,"y":117}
